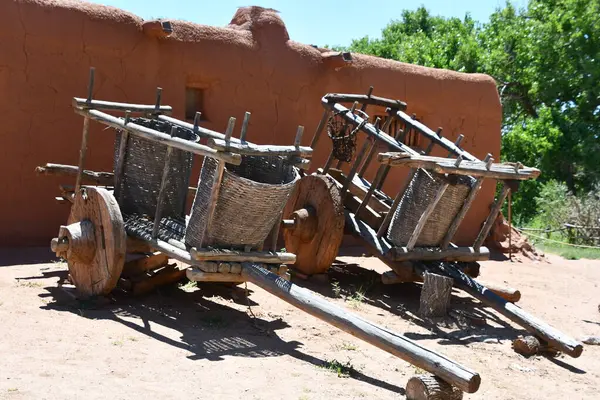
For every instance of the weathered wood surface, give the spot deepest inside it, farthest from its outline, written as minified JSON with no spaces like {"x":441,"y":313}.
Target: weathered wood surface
{"x":251,"y":149}
{"x":448,"y":166}
{"x":315,"y":254}
{"x":166,"y":276}
{"x":365,"y":99}
{"x":197,"y":275}
{"x":430,"y":387}
{"x":125,"y":107}
{"x":435,"y":295}
{"x":160,"y":201}
{"x":527,"y":346}
{"x":358,"y":189}
{"x":398,"y":345}
{"x":507,"y":293}
{"x":238,"y":256}
{"x":200,"y":131}
{"x":431,"y":254}
{"x":160,"y":137}
{"x":534,"y":325}
{"x":88,"y":177}
{"x":98,"y":275}
{"x":144,"y":264}
{"x":491,"y":218}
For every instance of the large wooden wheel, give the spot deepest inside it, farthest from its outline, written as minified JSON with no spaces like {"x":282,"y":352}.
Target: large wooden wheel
{"x":318,"y":229}
{"x":93,"y":242}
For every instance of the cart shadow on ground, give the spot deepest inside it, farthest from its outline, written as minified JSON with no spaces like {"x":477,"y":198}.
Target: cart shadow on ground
{"x":192,"y":321}
{"x":356,"y":285}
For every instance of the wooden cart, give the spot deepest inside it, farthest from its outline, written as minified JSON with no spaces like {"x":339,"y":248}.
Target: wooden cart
{"x":411,"y":231}
{"x":138,"y":208}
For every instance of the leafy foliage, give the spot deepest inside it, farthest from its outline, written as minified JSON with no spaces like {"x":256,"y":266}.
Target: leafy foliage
{"x":546,"y":62}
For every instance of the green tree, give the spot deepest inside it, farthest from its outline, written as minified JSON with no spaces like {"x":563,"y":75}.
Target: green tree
{"x":546,"y":62}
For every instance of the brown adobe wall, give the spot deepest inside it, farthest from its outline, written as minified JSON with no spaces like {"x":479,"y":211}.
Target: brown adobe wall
{"x":47,"y":47}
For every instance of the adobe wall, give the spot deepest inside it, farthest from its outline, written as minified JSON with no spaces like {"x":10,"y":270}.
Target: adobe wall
{"x":47,"y":47}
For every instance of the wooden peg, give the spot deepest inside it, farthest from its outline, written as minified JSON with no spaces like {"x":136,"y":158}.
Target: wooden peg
{"x":229,"y":131}
{"x":158,"y":96}
{"x":299,"y":134}
{"x":354,"y":107}
{"x":245,"y":126}
{"x":173,"y":131}
{"x":370,"y":92}
{"x":458,"y":161}
{"x":197,"y":117}
{"x":518,"y":166}
{"x":127,"y":117}
{"x":488,"y":163}
{"x":91,"y":84}
{"x":459,"y":140}
{"x":439,"y":132}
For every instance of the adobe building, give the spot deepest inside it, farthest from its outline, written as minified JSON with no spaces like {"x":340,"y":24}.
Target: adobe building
{"x":48,"y":46}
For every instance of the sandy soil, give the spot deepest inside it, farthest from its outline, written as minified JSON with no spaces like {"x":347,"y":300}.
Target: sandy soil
{"x":200,"y":342}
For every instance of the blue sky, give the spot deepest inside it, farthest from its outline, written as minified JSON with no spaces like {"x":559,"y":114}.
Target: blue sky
{"x":317,"y":22}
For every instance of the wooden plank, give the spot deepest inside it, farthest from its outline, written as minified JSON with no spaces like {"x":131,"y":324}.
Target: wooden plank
{"x":165,"y":276}
{"x":111,"y":105}
{"x":448,"y":166}
{"x":143,"y":264}
{"x":431,"y":254}
{"x":365,"y":99}
{"x":251,"y":149}
{"x":491,"y":218}
{"x":239,"y":256}
{"x":507,"y":293}
{"x":394,"y":343}
{"x":425,"y":216}
{"x":160,"y":137}
{"x":435,"y":295}
{"x":197,"y":275}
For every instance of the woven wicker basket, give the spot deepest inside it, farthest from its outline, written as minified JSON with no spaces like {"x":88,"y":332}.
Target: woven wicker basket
{"x":420,"y":192}
{"x":143,"y":171}
{"x":250,"y":200}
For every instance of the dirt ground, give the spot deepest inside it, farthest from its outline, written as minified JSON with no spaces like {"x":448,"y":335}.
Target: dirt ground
{"x":186,"y":342}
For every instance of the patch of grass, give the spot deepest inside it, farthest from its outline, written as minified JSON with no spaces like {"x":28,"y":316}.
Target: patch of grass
{"x":189,"y":286}
{"x":133,"y":338}
{"x":29,"y":284}
{"x":343,"y":370}
{"x":336,"y":289}
{"x":346,"y":346}
{"x":568,"y":252}
{"x":13,"y":390}
{"x":117,"y":343}
{"x":356,"y":300}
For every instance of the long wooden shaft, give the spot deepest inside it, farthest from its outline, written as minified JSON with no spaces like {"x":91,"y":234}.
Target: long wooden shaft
{"x":491,"y":218}
{"x":82,"y":152}
{"x":160,"y":137}
{"x":373,"y":149}
{"x":238,"y":256}
{"x":398,"y":345}
{"x":371,"y":190}
{"x":555,"y":338}
{"x":120,"y":164}
{"x":462,"y":213}
{"x":200,"y":131}
{"x":161,"y":193}
{"x":365,"y":99}
{"x":320,"y":128}
{"x":93,"y":177}
{"x":260,"y":150}
{"x":111,"y":105}
{"x":425,"y":216}
{"x":245,"y":123}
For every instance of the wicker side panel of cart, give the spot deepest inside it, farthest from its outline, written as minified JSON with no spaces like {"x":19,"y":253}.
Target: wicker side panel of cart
{"x":143,"y":170}
{"x":419,"y":193}
{"x":250,"y":199}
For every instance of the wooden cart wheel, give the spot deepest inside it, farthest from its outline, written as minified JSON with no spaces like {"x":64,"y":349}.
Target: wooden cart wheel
{"x":430,"y":387}
{"x":93,"y":242}
{"x":318,"y":229}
